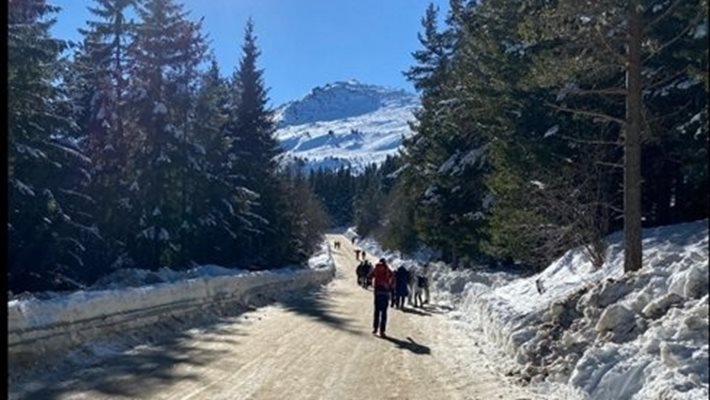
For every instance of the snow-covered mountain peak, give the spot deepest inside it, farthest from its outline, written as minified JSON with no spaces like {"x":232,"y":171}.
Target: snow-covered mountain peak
{"x":339,"y":100}
{"x":345,"y":123}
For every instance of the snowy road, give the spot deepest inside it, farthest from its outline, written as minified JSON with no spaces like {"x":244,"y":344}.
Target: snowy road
{"x":317,"y":347}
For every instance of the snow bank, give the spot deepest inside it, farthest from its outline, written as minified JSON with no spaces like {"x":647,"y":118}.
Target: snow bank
{"x":642,"y":335}
{"x":37,"y":327}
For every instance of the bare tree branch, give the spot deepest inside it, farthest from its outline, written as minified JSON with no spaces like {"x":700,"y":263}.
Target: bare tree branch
{"x":685,"y":30}
{"x":608,"y":164}
{"x":588,"y":113}
{"x":600,"y":92}
{"x":666,"y":79}
{"x":586,"y":141}
{"x":676,"y":110}
{"x":618,"y":58}
{"x":661,"y":17}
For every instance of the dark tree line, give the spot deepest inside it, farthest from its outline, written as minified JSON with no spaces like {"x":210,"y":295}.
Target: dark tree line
{"x":548,"y":124}
{"x":355,"y":198}
{"x":135,"y":152}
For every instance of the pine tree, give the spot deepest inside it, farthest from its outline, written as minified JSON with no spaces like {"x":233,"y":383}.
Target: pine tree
{"x":429,"y":76}
{"x":447,"y":154}
{"x":220,"y":205}
{"x":189,"y":152}
{"x":102,"y":66}
{"x":166,"y":51}
{"x":47,"y":171}
{"x":252,"y":155}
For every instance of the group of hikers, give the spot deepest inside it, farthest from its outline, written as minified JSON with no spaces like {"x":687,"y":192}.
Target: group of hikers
{"x":362,"y":271}
{"x":358,"y":253}
{"x":391,"y":288}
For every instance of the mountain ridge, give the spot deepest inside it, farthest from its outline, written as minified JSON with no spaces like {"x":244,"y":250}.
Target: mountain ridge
{"x":345,"y":124}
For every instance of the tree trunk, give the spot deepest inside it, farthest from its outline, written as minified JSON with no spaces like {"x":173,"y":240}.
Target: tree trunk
{"x":632,"y":144}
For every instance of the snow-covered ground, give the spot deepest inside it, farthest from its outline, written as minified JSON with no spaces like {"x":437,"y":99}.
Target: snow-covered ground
{"x":345,"y":124}
{"x":132,"y":299}
{"x":596,"y":334}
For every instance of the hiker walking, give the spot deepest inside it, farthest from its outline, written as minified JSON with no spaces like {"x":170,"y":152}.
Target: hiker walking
{"x":357,"y":254}
{"x":368,"y":276}
{"x":382,"y":276}
{"x":401,"y":277}
{"x":412,"y":284}
{"x":422,"y":286}
{"x":360,"y":272}
{"x":393,"y":293}
{"x":426,"y":273}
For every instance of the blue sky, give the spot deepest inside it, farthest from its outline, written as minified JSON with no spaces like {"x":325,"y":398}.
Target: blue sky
{"x":304,"y":43}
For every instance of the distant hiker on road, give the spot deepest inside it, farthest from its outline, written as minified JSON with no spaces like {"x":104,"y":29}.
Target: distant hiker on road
{"x":363,"y":269}
{"x":357,"y":254}
{"x":412,"y":284}
{"x":368,"y":276}
{"x":426,"y":273}
{"x":360,"y":272}
{"x":382,"y":276}
{"x":393,"y":294}
{"x":422,"y":286}
{"x":401,"y":277}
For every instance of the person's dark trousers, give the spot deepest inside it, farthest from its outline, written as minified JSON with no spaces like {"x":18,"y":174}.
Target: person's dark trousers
{"x":400,"y":294}
{"x":380,"y":320}
{"x":400,"y":300}
{"x":393,"y":298}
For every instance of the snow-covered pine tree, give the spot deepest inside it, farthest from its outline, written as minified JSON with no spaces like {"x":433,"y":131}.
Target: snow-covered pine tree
{"x":252,"y":157}
{"x":165,"y":43}
{"x":429,"y":76}
{"x":447,"y":153}
{"x":102,"y":66}
{"x":182,"y":90}
{"x":220,"y":205}
{"x":47,"y":171}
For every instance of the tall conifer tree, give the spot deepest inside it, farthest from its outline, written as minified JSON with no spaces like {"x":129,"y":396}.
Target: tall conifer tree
{"x":167,"y":48}
{"x":47,"y":171}
{"x":253,"y":154}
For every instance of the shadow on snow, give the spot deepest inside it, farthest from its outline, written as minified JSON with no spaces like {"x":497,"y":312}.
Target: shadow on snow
{"x":317,"y":305}
{"x":138,"y":372}
{"x":410,"y":345}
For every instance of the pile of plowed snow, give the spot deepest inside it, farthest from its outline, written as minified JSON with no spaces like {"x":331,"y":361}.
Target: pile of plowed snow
{"x":641,"y":335}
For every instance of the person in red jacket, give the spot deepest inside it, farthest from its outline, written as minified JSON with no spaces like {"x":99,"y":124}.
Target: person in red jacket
{"x":383,"y":280}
